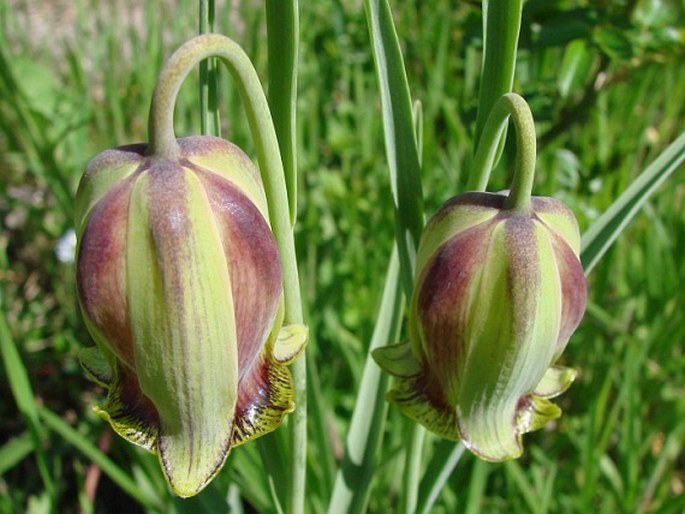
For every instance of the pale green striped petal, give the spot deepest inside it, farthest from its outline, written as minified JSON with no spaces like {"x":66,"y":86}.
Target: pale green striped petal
{"x":183,"y":328}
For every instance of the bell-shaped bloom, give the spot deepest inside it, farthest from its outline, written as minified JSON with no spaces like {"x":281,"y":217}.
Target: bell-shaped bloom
{"x":180,"y":283}
{"x":498,"y":294}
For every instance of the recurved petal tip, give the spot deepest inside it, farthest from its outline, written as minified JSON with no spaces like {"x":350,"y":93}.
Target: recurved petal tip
{"x":189,"y":462}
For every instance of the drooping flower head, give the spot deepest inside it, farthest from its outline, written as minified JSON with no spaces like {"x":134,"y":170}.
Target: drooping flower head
{"x":499,"y":291}
{"x":180,"y":283}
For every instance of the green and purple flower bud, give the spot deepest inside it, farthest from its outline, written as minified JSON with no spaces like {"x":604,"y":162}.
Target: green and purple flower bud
{"x":180,"y":283}
{"x":499,"y":292}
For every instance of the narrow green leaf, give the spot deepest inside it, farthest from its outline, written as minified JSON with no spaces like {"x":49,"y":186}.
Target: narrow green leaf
{"x":15,"y":450}
{"x":282,"y":21}
{"x":20,"y":386}
{"x":402,"y":153}
{"x":282,"y":24}
{"x":353,"y":481}
{"x":501,"y":27}
{"x":400,"y":139}
{"x":604,"y":231}
{"x":445,"y":458}
{"x":82,"y":444}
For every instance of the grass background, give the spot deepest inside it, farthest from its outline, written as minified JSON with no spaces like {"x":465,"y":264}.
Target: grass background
{"x":606,"y":83}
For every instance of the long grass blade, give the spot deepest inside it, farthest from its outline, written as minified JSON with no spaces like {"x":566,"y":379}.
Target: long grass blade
{"x":501,"y":27}
{"x":15,"y":450}
{"x":283,"y":23}
{"x":400,"y":139}
{"x":282,"y":19}
{"x":402,"y":153}
{"x":445,"y":458}
{"x":603,"y":232}
{"x":23,"y":395}
{"x":118,"y":475}
{"x":353,"y":481}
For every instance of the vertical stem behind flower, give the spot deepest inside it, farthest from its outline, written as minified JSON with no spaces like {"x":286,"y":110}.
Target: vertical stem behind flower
{"x":283,"y":24}
{"x":501,"y":27}
{"x":355,"y":476}
{"x":282,"y":20}
{"x":210,"y":121}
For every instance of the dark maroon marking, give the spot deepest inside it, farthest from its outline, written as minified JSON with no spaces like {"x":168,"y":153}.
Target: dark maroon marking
{"x":442,"y":308}
{"x":573,"y":290}
{"x":101,"y":271}
{"x":254,"y":264}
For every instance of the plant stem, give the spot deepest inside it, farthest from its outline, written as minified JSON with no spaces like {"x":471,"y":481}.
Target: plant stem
{"x":412,"y":469}
{"x":210,"y":121}
{"x":501,"y":27}
{"x":515,"y":106}
{"x":163,"y":145}
{"x":400,"y":137}
{"x":282,"y":20}
{"x":282,"y":24}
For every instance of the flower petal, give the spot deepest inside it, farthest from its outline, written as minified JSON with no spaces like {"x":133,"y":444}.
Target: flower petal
{"x":509,"y":337}
{"x":182,"y":322}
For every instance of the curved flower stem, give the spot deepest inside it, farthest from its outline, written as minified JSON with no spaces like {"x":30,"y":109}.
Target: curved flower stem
{"x":163,"y":145}
{"x":515,"y":106}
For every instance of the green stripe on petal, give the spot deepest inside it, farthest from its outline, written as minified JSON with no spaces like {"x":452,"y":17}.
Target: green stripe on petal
{"x":509,"y":339}
{"x":181,"y":311}
{"x":559,"y":219}
{"x":227,"y":160}
{"x":456,"y":216}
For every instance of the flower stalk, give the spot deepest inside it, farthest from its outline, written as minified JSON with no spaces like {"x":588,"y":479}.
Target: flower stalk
{"x":163,"y":141}
{"x":514,"y":106}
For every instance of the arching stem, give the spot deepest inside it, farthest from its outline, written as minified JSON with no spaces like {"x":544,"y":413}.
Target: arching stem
{"x":163,"y":145}
{"x":515,"y":106}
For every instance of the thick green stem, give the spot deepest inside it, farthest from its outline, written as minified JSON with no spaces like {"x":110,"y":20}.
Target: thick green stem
{"x":412,"y":470}
{"x":210,"y":122}
{"x":501,"y":27}
{"x":508,"y":105}
{"x":163,"y":145}
{"x":282,"y":20}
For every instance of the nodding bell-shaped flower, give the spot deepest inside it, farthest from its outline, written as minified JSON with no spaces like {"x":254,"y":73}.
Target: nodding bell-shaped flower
{"x":499,"y":292}
{"x":180,"y":283}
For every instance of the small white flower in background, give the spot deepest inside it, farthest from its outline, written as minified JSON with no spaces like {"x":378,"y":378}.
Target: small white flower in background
{"x":65,"y":249}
